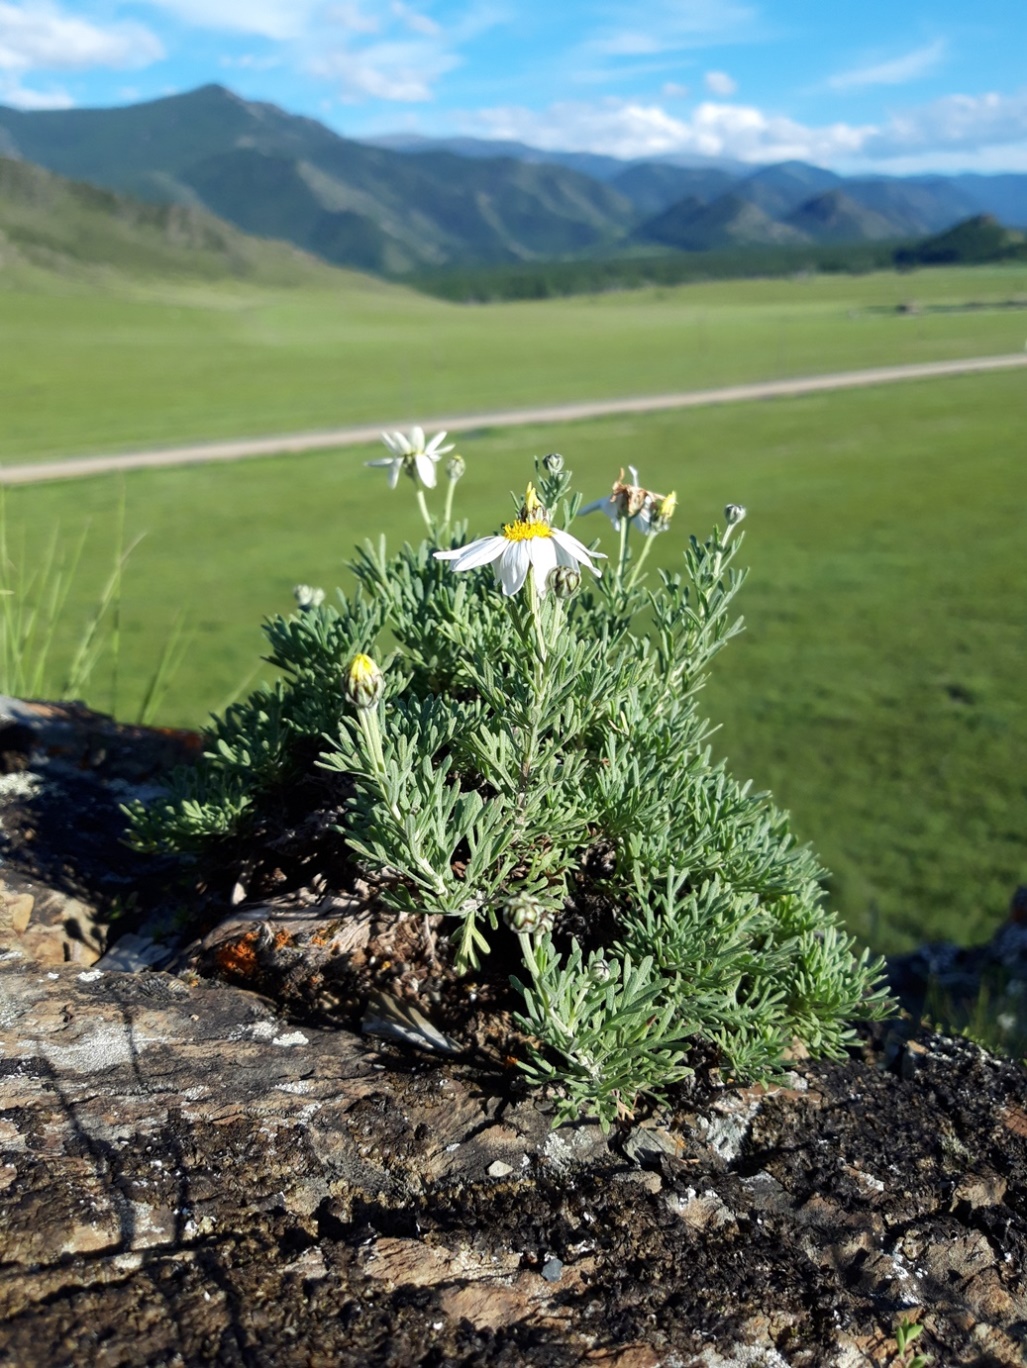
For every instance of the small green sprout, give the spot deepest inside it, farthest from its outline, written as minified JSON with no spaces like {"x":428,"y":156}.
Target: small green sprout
{"x":907,"y":1332}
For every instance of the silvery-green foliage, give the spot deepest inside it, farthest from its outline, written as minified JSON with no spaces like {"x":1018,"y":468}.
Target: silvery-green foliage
{"x":547,"y":751}
{"x":610,"y":1031}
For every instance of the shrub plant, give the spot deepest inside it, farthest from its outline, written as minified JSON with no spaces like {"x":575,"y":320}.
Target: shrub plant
{"x":515,"y":724}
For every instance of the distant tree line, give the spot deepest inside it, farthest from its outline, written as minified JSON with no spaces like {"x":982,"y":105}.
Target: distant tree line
{"x":978,"y":240}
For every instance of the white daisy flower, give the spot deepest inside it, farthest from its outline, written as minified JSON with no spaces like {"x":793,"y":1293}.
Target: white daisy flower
{"x":410,"y":454}
{"x":644,"y":509}
{"x":527,"y":544}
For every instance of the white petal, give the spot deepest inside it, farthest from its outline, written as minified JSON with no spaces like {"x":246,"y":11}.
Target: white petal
{"x":425,"y":470}
{"x":397,"y":443}
{"x":397,"y":466}
{"x":381,"y":461}
{"x":643,"y":520}
{"x":416,"y":439}
{"x":633,"y":472}
{"x":569,"y":551}
{"x":476,"y":553}
{"x":513,"y":566}
{"x":544,"y":556}
{"x":607,"y":506}
{"x":433,"y":447}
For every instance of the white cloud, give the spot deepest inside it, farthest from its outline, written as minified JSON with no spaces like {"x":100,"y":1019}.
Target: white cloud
{"x":402,"y":72}
{"x":402,"y":59}
{"x":248,"y":61}
{"x":414,"y":20}
{"x":720,"y":83}
{"x":672,"y":25}
{"x":40,"y":36}
{"x":628,"y":44}
{"x":12,"y":92}
{"x":352,"y":17}
{"x":627,"y":128}
{"x":956,"y":122}
{"x":898,"y":71}
{"x":955,"y":133}
{"x":278,"y":19}
{"x":672,"y":91}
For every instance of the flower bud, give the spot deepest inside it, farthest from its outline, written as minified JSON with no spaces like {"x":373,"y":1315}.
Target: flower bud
{"x":455,"y":468}
{"x":564,"y":581}
{"x":599,"y":971}
{"x":524,"y":913}
{"x":662,"y":506}
{"x":307,"y":597}
{"x":533,"y":510}
{"x":734,"y":513}
{"x":364,"y":682}
{"x":553,"y":463}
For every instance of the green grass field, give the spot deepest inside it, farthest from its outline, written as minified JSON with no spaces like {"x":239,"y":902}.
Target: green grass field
{"x":878,"y":690}
{"x":104,"y":365}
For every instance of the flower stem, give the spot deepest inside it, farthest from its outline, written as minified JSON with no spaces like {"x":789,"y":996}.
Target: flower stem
{"x":448,"y":515}
{"x":637,"y":568}
{"x":368,"y":719}
{"x":622,"y":561}
{"x":429,"y":524}
{"x":528,"y":951}
{"x":371,"y":729}
{"x":531,"y":723}
{"x":535,"y":607}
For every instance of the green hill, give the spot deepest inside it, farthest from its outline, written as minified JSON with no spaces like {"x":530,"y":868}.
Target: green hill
{"x":271,"y":172}
{"x":781,"y":188}
{"x":834,"y":217}
{"x":974,"y":241}
{"x":653,"y":187}
{"x":72,"y":228}
{"x":729,"y":221}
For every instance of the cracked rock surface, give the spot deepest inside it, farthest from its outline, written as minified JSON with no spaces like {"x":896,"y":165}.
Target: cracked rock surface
{"x":189,"y":1175}
{"x":185,"y":1178}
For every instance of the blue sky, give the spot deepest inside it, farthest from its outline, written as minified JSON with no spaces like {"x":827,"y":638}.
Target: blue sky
{"x":897,"y":87}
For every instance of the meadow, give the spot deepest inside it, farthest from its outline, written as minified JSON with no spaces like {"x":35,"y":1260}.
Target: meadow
{"x":104,"y":362}
{"x":878,"y":689}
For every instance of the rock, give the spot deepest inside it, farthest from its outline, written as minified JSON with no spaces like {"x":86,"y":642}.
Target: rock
{"x":948,"y":984}
{"x":197,"y":1173}
{"x":186,"y":1174}
{"x":64,"y":774}
{"x":49,"y":926}
{"x":133,"y":952}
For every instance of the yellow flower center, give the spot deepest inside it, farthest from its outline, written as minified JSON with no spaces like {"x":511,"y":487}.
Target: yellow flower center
{"x":524,"y":531}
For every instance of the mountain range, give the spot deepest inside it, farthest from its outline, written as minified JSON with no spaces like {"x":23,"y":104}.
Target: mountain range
{"x":404,"y":205}
{"x":55,"y":225}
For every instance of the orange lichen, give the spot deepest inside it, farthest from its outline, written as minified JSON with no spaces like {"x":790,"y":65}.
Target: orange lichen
{"x":239,"y":957}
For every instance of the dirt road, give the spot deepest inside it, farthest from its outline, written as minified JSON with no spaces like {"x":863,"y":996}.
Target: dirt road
{"x":556,"y":413}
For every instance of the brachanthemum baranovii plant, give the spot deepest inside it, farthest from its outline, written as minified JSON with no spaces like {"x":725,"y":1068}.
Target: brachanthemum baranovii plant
{"x":533,"y":769}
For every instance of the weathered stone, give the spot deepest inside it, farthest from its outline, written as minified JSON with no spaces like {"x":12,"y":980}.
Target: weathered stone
{"x":948,"y":981}
{"x":183,"y":1171}
{"x":192,"y":1173}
